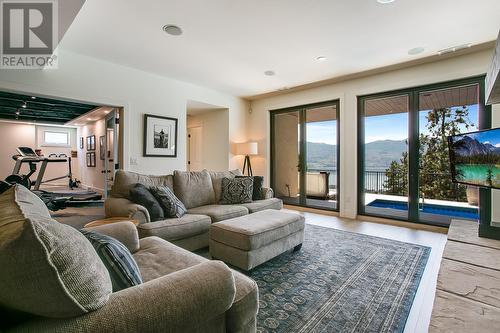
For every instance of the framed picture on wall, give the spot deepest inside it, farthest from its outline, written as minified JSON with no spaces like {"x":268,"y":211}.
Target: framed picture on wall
{"x":91,"y":160}
{"x":81,"y":142}
{"x":160,"y":136}
{"x":102,"y":153}
{"x":91,"y":142}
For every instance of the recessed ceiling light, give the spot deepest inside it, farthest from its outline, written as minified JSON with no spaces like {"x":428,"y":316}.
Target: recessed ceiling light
{"x":416,"y":50}
{"x":172,"y":30}
{"x":33,"y":97}
{"x":385,"y":1}
{"x":269,"y":73}
{"x":321,"y":58}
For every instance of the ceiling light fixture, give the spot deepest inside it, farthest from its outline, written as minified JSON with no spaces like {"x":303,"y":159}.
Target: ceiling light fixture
{"x":416,"y":50}
{"x":24,"y":106}
{"x":172,"y":30}
{"x":269,"y":73}
{"x":33,"y":97}
{"x":321,"y":58}
{"x":384,"y":2}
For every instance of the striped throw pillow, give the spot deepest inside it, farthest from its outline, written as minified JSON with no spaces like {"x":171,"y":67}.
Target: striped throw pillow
{"x":118,"y":260}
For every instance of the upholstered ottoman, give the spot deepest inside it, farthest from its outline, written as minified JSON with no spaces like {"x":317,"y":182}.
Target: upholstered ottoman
{"x":251,"y":240}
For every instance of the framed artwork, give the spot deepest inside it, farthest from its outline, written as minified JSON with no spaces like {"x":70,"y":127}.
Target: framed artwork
{"x":81,"y":142}
{"x":91,"y":142}
{"x":91,"y":160}
{"x":102,"y":153}
{"x":160,"y":136}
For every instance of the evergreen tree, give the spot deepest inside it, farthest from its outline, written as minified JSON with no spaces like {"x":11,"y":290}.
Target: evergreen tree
{"x":435,"y":179}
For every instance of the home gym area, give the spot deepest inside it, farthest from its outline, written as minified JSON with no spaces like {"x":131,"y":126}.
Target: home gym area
{"x":63,"y":151}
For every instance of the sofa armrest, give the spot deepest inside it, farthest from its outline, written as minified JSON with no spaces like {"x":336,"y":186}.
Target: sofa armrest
{"x":184,"y":301}
{"x":267,"y":193}
{"x":125,"y":232}
{"x":121,"y":207}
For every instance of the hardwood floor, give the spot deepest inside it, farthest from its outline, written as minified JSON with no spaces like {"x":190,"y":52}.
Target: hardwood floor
{"x":420,"y":314}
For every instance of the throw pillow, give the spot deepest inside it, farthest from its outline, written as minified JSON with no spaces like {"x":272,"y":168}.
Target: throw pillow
{"x":47,"y":268}
{"x":140,"y":195}
{"x":217,"y":180}
{"x":258,"y":184}
{"x":236,"y":190}
{"x":172,"y":206}
{"x":118,"y":260}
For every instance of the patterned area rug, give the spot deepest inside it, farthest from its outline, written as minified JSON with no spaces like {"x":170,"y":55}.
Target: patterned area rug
{"x":340,"y":282}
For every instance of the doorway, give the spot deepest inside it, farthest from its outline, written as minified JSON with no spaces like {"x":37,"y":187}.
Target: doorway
{"x":403,"y":162}
{"x":304,"y":155}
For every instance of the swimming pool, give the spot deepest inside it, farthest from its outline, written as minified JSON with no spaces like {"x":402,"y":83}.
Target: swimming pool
{"x":462,"y":212}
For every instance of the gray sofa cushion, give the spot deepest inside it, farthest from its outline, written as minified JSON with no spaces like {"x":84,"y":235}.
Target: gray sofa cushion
{"x":118,"y":260}
{"x":217,"y":177}
{"x":141,"y":195}
{"x":257,"y":206}
{"x":174,"y":229}
{"x":194,"y":188}
{"x":125,"y":180}
{"x":236,"y":190}
{"x":253,"y":231}
{"x":158,"y":257}
{"x":220,"y":212}
{"x":172,"y":206}
{"x":47,"y":268}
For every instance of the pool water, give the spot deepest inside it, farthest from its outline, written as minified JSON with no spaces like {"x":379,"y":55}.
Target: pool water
{"x":461,"y":212}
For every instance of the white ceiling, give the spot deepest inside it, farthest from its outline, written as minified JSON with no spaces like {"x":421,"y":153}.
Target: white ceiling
{"x":228,"y":44}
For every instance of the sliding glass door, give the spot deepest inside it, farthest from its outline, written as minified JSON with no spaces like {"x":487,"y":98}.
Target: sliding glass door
{"x":304,"y":155}
{"x":404,"y":168}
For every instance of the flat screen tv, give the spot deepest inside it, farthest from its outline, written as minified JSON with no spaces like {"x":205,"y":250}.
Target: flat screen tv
{"x":475,"y":158}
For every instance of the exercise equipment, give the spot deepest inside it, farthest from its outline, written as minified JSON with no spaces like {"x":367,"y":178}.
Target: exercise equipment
{"x":53,"y":200}
{"x":28,"y":156}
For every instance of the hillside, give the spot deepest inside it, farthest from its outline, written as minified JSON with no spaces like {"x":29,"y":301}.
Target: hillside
{"x":379,"y":154}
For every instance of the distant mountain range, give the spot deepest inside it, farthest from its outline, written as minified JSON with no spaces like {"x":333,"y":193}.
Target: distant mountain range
{"x":468,"y":147}
{"x":379,"y":154}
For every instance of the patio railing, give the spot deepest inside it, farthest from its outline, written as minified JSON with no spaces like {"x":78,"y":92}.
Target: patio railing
{"x":379,"y":182}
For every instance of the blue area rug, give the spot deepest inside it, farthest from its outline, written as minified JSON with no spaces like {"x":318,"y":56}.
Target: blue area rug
{"x":340,"y":282}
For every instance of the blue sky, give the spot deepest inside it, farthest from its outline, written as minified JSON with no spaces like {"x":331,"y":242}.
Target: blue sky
{"x":386,"y":127}
{"x":491,"y":137}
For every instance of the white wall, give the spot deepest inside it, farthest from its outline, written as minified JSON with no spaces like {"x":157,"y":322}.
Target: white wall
{"x":91,"y":177}
{"x":87,"y":79}
{"x":347,"y":91}
{"x":17,"y":134}
{"x":215,"y":138}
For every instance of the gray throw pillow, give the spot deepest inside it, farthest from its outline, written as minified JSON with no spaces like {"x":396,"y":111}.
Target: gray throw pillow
{"x":258,"y":183}
{"x":172,"y":206}
{"x":237,"y":190}
{"x":46,"y":268}
{"x":141,"y":195}
{"x":121,"y":266}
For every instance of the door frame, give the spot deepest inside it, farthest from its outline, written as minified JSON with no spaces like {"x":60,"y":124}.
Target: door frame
{"x":301,"y":109}
{"x":484,"y":118}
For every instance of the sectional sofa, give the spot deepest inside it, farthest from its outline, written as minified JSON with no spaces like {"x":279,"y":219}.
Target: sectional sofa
{"x":199,"y":191}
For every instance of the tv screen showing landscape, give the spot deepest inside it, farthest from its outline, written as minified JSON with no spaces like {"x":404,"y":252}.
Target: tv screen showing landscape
{"x":475,"y":158}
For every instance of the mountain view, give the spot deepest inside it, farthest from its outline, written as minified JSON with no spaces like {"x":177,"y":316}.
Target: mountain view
{"x":379,"y":154}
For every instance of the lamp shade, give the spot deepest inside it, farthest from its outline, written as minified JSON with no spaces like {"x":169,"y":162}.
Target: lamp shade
{"x":247,"y":148}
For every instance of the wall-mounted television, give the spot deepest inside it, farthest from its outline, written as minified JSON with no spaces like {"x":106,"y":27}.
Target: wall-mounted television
{"x":475,"y":158}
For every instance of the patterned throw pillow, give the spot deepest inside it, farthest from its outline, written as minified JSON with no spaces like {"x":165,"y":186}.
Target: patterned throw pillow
{"x":258,"y":183}
{"x":122,"y":268}
{"x":172,"y":206}
{"x":236,"y":190}
{"x":140,"y":195}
